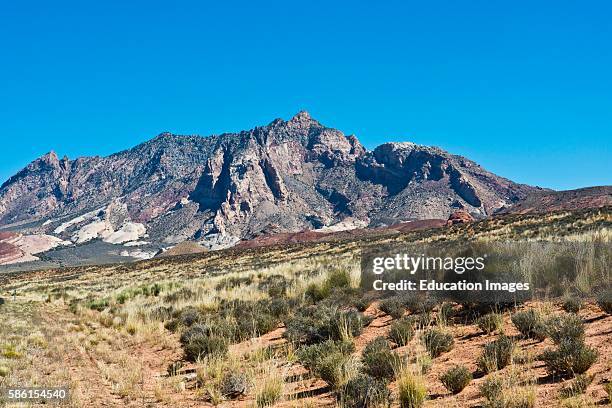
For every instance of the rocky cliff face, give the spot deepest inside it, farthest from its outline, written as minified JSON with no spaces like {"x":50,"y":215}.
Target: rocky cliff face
{"x":285,"y":177}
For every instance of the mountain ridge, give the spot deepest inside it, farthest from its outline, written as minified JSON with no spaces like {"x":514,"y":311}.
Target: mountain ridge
{"x":288,"y":176}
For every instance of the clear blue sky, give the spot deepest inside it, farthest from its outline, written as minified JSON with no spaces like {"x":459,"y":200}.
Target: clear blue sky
{"x":522,"y":87}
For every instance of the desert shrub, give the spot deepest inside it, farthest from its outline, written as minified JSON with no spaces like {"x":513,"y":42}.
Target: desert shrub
{"x":161,"y":313}
{"x":189,"y":316}
{"x":401,"y":332}
{"x":516,"y":397}
{"x":577,"y":386}
{"x":496,"y":354}
{"x":338,"y":279}
{"x":530,"y":324}
{"x":315,"y":293}
{"x":346,"y":325}
{"x":393,"y":307}
{"x":424,"y":362}
{"x":317,"y":323}
{"x":98,"y":304}
{"x":411,"y":390}
{"x":310,"y":356}
{"x":608,"y":388}
{"x":492,"y":387}
{"x":438,"y":341}
{"x":4,"y":371}
{"x":565,"y":328}
{"x":604,"y":300}
{"x":234,"y":385}
{"x":378,"y":359}
{"x":203,"y":345}
{"x":572,"y":304}
{"x":275,"y":285}
{"x":309,"y":325}
{"x":490,"y":323}
{"x":569,"y":358}
{"x":172,"y":325}
{"x":422,"y":320}
{"x":279,"y":307}
{"x":331,"y":361}
{"x":365,"y":391}
{"x":456,"y":379}
{"x":362,"y":303}
{"x":253,"y":324}
{"x":181,"y":294}
{"x":446,"y":314}
{"x":233,"y":282}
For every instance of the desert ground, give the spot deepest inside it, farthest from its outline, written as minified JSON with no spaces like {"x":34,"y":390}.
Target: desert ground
{"x":289,"y":325}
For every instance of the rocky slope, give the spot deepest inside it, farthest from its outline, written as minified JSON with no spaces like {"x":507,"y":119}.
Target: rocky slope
{"x":549,"y":201}
{"x":287,"y":176}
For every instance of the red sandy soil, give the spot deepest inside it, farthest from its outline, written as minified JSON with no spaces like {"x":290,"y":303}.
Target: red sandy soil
{"x":301,"y":388}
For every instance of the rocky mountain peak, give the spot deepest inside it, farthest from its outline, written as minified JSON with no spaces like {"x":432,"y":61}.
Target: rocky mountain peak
{"x":296,"y":174}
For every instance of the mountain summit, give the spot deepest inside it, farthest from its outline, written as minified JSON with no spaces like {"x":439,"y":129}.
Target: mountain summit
{"x":287,"y":176}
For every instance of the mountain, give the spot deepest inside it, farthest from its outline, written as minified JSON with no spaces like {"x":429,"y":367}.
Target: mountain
{"x":288,"y":176}
{"x":548,"y":201}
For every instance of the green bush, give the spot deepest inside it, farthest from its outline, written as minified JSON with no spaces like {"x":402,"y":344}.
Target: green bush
{"x":565,"y":328}
{"x":456,"y":379}
{"x":401,"y":332}
{"x":378,"y":359}
{"x":365,"y":391}
{"x":569,"y":358}
{"x":572,"y":304}
{"x":491,"y":322}
{"x":604,"y":300}
{"x":393,"y":307}
{"x":496,"y":354}
{"x":438,"y":341}
{"x":530,"y":324}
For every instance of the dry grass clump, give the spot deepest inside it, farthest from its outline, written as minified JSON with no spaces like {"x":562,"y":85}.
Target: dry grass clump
{"x":411,"y":389}
{"x":577,"y":386}
{"x":508,"y":390}
{"x":269,"y":390}
{"x":490,"y":323}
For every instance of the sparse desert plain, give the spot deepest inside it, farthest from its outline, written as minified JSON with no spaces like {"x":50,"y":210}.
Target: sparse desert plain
{"x":290,"y":325}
